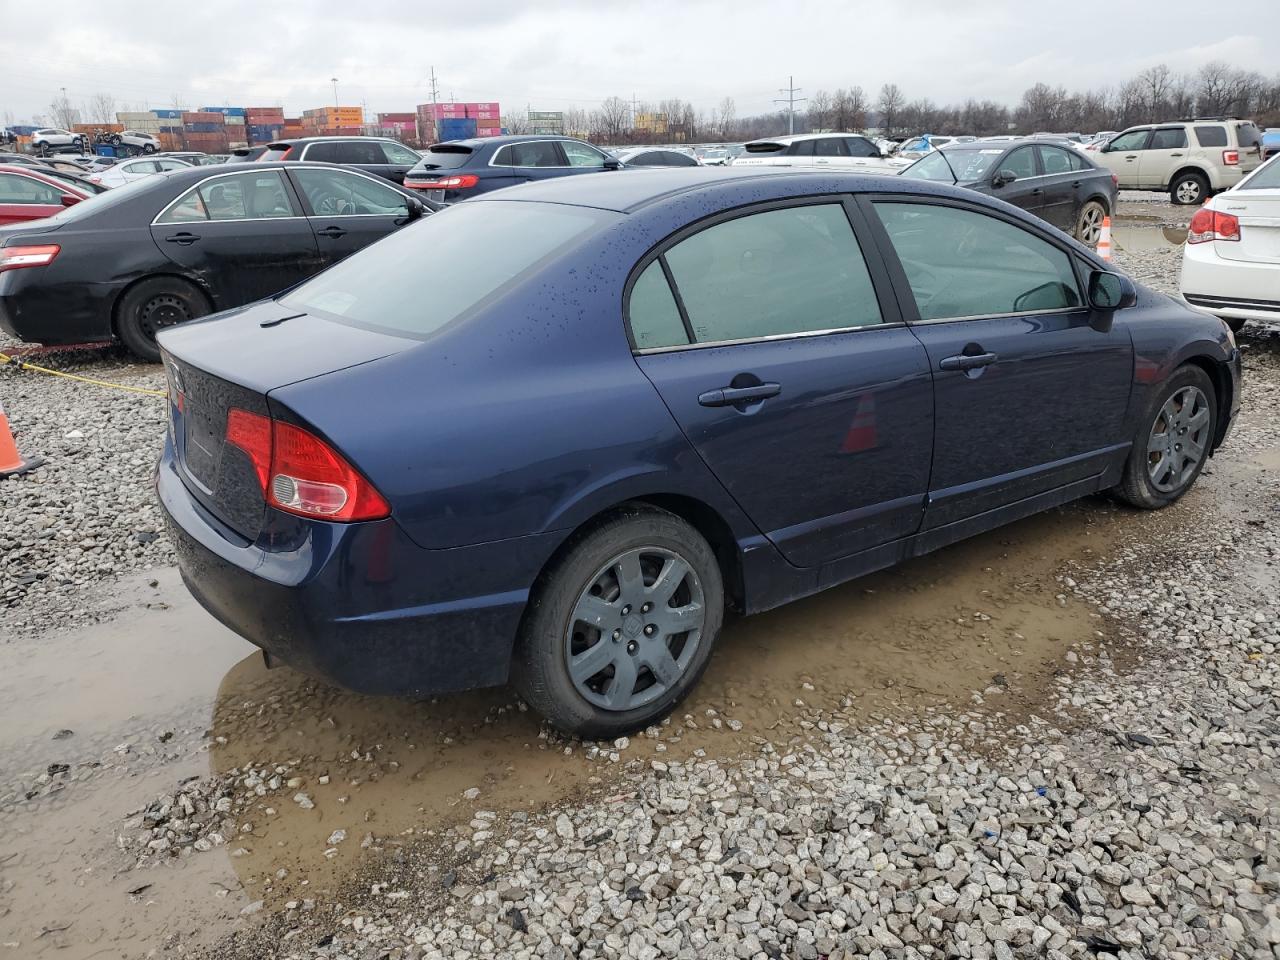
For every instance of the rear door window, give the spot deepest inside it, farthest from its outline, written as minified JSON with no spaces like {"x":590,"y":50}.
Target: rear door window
{"x":1214,"y":135}
{"x":1168,"y":138}
{"x":540,"y":153}
{"x":677,"y":159}
{"x":829,"y":147}
{"x":652,"y":312}
{"x":1056,"y":160}
{"x":774,"y":273}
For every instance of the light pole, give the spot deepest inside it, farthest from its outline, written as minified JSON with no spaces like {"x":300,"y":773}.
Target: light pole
{"x":334,"y":81}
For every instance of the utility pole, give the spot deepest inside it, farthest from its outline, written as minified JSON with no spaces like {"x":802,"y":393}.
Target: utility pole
{"x":635,"y":107}
{"x":435,"y":106}
{"x":334,"y":81}
{"x":791,"y":100}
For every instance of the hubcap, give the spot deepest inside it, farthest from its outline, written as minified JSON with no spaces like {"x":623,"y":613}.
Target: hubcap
{"x":162,"y":311}
{"x":1179,"y":439}
{"x":635,"y":629}
{"x":1091,"y":225}
{"x":1188,"y":191}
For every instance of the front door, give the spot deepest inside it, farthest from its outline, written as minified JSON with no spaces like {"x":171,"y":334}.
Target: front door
{"x":1026,"y":189}
{"x":1122,"y":156}
{"x":242,"y":234}
{"x":348,"y":210}
{"x":1028,"y":396}
{"x":787,"y":374}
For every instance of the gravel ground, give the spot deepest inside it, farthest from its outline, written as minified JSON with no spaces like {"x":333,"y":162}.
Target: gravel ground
{"x":1137,"y":815}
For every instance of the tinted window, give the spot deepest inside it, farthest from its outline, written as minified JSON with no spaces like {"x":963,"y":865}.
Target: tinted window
{"x":652,"y":311}
{"x":442,"y":157}
{"x":344,"y":152}
{"x":395,"y":153}
{"x":581,"y":155}
{"x":829,"y":147}
{"x":802,"y":148}
{"x":335,"y":193}
{"x":649,"y":158}
{"x":779,"y":272}
{"x":1267,"y":176}
{"x":1214,"y":136}
{"x":1170,"y":138}
{"x":420,"y":278}
{"x":246,"y":196}
{"x":861,"y":147}
{"x":1056,"y":160}
{"x":1248,"y":135}
{"x":677,"y":159}
{"x":16,"y":189}
{"x":765,"y":147}
{"x":542,"y":153}
{"x":965,"y":264}
{"x":1021,"y":163}
{"x":1133,"y":140}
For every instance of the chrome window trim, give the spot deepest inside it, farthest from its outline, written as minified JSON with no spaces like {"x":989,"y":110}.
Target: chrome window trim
{"x":999,"y":316}
{"x":604,"y":157}
{"x":320,"y":142}
{"x":704,"y":344}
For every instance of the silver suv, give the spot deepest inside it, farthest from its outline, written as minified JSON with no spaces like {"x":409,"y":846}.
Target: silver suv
{"x":1191,"y":159}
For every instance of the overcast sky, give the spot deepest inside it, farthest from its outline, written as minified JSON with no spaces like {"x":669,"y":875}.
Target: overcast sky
{"x":558,"y":54}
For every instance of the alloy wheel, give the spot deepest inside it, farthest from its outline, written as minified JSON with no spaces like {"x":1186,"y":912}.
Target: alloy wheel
{"x":1179,"y":439}
{"x":635,"y":628}
{"x":1188,"y":191}
{"x":1091,"y":224}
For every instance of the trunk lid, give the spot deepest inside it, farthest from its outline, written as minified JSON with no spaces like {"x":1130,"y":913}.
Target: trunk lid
{"x":1259,"y":214}
{"x":233,"y":362}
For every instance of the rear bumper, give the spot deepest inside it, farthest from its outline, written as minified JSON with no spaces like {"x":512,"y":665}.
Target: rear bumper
{"x":32,"y":311}
{"x":359,"y":605}
{"x":1238,"y":289}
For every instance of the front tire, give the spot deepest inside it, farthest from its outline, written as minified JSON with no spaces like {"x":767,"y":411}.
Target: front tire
{"x":1089,"y":223}
{"x":148,"y":148}
{"x":152,"y":305}
{"x":619,"y":630}
{"x":1189,"y":189}
{"x":1173,"y":441}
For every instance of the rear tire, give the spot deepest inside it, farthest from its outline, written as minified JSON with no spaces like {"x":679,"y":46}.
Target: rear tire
{"x":1188,"y":189}
{"x":1089,"y":222}
{"x":148,"y":148}
{"x":634,"y":678}
{"x":152,"y":305}
{"x":1181,"y":420}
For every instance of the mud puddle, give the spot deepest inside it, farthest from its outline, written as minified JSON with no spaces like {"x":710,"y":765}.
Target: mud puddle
{"x":1147,"y":238}
{"x":187,"y":698}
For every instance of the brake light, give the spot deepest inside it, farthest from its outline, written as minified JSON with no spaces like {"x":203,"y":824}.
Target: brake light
{"x":300,"y":473}
{"x":1231,"y":157}
{"x":460,"y":182}
{"x":1209,"y":224}
{"x":15,"y":258}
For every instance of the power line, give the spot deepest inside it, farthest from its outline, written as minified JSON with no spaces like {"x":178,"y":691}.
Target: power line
{"x":791,"y":100}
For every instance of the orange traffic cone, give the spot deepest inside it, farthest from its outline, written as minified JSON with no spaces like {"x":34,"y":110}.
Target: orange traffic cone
{"x":1104,"y":239}
{"x":12,"y":463}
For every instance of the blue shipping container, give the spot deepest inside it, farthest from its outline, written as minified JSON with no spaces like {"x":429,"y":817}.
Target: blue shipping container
{"x":455,"y":128}
{"x":225,"y":111}
{"x":168,"y":114}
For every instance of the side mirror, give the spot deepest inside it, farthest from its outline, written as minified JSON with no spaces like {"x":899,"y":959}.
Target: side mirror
{"x":1003,"y":177}
{"x":611,"y":164}
{"x":416,"y":208}
{"x":69,"y":201}
{"x":1109,"y":292}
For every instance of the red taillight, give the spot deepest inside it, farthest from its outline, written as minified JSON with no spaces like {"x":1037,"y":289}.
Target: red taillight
{"x":460,"y":182}
{"x":15,"y":258}
{"x":1231,"y":157}
{"x":300,"y":473}
{"x":1209,"y":224}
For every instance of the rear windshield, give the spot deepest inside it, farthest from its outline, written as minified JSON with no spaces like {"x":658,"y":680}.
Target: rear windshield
{"x":767,"y":147}
{"x":420,"y":278}
{"x":445,"y":157}
{"x":1248,"y":135}
{"x":1267,"y":176}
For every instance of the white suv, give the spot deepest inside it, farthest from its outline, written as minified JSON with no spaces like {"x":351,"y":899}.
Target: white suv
{"x":135,"y":138}
{"x":51,"y":137}
{"x":1191,"y":159}
{"x":822,"y":151}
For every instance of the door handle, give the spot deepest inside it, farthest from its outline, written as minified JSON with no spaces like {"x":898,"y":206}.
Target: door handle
{"x":1175,"y":154}
{"x":184,"y":238}
{"x":332,"y":232}
{"x":1036,"y":192}
{"x":1076,"y":184}
{"x":1131,"y":157}
{"x":967,"y":361}
{"x":729,"y":396}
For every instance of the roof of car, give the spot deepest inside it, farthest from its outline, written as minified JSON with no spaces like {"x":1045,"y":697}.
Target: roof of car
{"x":796,"y":137}
{"x":294,"y":141}
{"x":1003,"y":144}
{"x":476,"y":142}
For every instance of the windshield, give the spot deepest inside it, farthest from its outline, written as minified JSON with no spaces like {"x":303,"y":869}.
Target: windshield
{"x":932,"y":166}
{"x":1265,"y":177}
{"x":102,"y":201}
{"x":420,"y":278}
{"x":969,"y":166}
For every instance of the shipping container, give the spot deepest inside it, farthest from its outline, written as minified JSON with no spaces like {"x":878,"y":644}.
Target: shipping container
{"x":456,"y":128}
{"x":225,"y":111}
{"x":168,"y":114}
{"x":202,"y":117}
{"x":396,"y":118}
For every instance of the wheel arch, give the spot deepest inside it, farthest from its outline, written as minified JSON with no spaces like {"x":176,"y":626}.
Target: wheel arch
{"x":1220,"y":377}
{"x":1190,"y":168}
{"x":159,"y":275}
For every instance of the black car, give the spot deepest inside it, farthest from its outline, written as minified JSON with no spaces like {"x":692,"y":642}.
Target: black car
{"x":1052,"y":180}
{"x":182,"y":244}
{"x":459,"y":169}
{"x":25,"y":159}
{"x":656,"y":157}
{"x":377,"y":155}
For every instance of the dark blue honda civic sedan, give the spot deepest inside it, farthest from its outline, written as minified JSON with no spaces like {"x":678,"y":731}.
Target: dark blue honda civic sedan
{"x":549,"y":436}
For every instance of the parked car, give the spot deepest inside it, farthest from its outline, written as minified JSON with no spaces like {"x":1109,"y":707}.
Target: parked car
{"x":1231,"y":260}
{"x":53,"y":138}
{"x":136,"y":139}
{"x":247,"y":154}
{"x":656,"y":157}
{"x":1191,"y":159}
{"x":1271,"y":143}
{"x":459,"y":169}
{"x":27,"y":193}
{"x":382,"y":157}
{"x":22,"y":160}
{"x":195,"y":158}
{"x":94,"y":165}
{"x":909,"y":151}
{"x":77,"y":181}
{"x":126,"y":171}
{"x":1100,"y":139}
{"x":833,"y":151}
{"x":493,"y":447}
{"x":63,"y":164}
{"x":185,"y":243}
{"x":716,"y":157}
{"x":1047,"y":178}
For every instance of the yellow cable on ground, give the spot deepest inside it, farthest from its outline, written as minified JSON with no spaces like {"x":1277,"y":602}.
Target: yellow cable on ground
{"x":23,"y":365}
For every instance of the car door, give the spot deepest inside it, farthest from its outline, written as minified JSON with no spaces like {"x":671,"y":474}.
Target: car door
{"x":348,"y":210}
{"x":785,"y":365}
{"x":242,"y":234}
{"x":1165,"y":153}
{"x":1061,"y":184}
{"x":865,"y":156}
{"x":136,"y":170}
{"x":23,"y":199}
{"x":1122,"y":156}
{"x":399,"y":160}
{"x":1029,"y":397}
{"x":830,"y":153}
{"x":582,"y":157}
{"x":532,"y":160}
{"x":1016,"y":179}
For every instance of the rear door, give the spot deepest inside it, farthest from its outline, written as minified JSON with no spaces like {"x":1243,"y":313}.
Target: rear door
{"x":1165,"y":153}
{"x":348,"y":210}
{"x":786,"y":367}
{"x":23,"y":199}
{"x":1061,"y":184}
{"x":532,"y":160}
{"x":1029,"y":398}
{"x":242,"y":234}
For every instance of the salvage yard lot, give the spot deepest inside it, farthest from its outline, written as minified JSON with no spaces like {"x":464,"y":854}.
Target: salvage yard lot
{"x":1061,"y":738}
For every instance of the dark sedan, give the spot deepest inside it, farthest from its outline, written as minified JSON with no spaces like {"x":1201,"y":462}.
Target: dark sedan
{"x":466,"y":168}
{"x":376,"y":155}
{"x":178,"y":245}
{"x":1050,"y":179}
{"x":550,"y":435}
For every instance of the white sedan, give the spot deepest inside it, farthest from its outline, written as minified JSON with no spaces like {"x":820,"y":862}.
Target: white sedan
{"x":128,"y":171}
{"x":1231,"y":260}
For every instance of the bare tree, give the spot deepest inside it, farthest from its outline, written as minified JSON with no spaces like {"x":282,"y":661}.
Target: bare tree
{"x":890,"y":105}
{"x":612,"y":120}
{"x":1155,"y":82}
{"x":64,"y":114}
{"x":819,"y":113}
{"x":101,"y":108}
{"x":517,"y":123}
{"x":728,"y":118}
{"x":576,"y":122}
